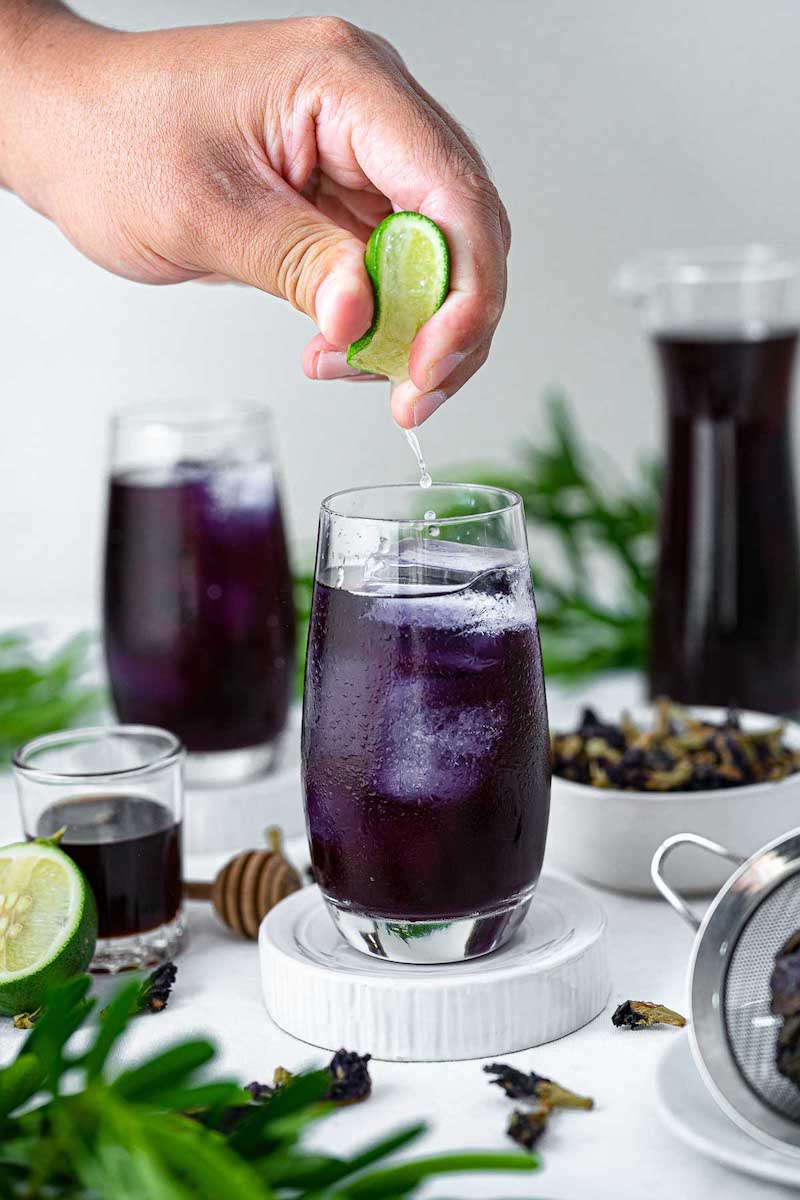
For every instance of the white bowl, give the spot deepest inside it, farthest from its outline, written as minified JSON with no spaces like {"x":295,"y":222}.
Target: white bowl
{"x":609,"y":836}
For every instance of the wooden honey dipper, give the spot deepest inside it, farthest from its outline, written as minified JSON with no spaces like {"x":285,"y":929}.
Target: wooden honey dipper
{"x":248,"y":886}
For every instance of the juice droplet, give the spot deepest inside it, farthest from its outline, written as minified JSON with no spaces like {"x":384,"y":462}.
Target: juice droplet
{"x":434,"y":531}
{"x":413,"y":441}
{"x":430,"y":515}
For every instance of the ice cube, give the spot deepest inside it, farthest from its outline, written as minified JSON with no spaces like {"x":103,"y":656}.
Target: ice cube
{"x":430,"y":749}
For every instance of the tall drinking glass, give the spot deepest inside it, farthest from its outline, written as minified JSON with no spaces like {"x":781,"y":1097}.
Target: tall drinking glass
{"x":425,"y":740}
{"x":199,"y":617}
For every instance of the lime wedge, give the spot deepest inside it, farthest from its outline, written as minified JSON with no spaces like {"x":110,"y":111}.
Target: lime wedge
{"x":409,"y":264}
{"x":48,"y":923}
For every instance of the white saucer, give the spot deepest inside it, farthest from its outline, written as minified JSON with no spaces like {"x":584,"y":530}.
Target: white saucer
{"x":550,"y":979}
{"x":690,"y":1111}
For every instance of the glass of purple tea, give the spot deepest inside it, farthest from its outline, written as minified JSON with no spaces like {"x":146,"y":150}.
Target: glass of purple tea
{"x":425,"y":743}
{"x":117,"y":792}
{"x":199,"y":622}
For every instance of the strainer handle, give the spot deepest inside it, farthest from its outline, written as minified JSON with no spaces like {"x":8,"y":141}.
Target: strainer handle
{"x":659,"y":861}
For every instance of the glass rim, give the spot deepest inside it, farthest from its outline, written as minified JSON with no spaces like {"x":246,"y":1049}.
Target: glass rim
{"x":192,"y":414}
{"x":747,"y":263}
{"x":173,"y":752}
{"x":514,"y":502}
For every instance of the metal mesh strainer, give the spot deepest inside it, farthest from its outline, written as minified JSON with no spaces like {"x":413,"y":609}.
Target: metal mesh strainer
{"x":733,"y":1032}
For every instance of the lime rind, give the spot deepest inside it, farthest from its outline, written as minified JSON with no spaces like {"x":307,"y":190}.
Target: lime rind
{"x":408,"y":263}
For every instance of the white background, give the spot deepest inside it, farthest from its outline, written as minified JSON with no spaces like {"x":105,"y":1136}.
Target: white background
{"x":610,"y":127}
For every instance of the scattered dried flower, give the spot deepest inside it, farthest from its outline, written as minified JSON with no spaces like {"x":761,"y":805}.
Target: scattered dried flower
{"x":350,"y":1077}
{"x":526,"y":1128}
{"x":27,"y":1020}
{"x":518,"y":1085}
{"x":638,"y":1014}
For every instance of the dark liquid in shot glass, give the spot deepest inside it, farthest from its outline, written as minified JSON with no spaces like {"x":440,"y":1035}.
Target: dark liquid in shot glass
{"x":129,"y":849}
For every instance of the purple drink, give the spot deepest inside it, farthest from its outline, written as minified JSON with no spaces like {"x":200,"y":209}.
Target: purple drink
{"x":426,"y":750}
{"x":199,"y":618}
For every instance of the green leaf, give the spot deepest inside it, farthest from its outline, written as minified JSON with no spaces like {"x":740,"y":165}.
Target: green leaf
{"x":169,"y":1069}
{"x":38,"y":692}
{"x":66,"y":1007}
{"x":19,"y":1081}
{"x":220,"y":1094}
{"x":282,"y":1117}
{"x":110,"y":1029}
{"x":399,"y":1180}
{"x":319,"y":1173}
{"x":206,"y":1163}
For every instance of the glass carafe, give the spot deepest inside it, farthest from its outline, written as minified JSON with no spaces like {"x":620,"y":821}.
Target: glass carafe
{"x":726,"y":610}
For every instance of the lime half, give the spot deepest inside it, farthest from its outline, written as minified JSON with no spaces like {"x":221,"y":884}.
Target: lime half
{"x":48,"y":923}
{"x":409,"y":264}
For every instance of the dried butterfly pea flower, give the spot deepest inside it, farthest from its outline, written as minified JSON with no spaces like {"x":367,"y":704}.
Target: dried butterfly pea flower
{"x":526,"y":1128}
{"x":521,"y":1086}
{"x":27,"y":1020}
{"x":350,"y":1077}
{"x":787,"y":1049}
{"x":638,"y":1014}
{"x":785,"y":979}
{"x":154,"y":992}
{"x":157,"y":988}
{"x":680,"y":752}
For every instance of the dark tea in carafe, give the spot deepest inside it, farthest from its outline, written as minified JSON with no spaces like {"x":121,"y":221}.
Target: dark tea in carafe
{"x":129,"y":849}
{"x":726,"y":615}
{"x":724,"y":322}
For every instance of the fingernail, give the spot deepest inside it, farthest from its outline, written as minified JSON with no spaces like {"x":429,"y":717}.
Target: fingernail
{"x":444,"y":367}
{"x":333,"y":364}
{"x":428,"y":404}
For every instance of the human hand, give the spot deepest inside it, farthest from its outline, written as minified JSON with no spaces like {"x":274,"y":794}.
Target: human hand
{"x":263,"y":152}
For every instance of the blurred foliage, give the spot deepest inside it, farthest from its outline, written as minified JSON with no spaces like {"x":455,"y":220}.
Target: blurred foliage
{"x":42,"y":692}
{"x":594,"y":605}
{"x":73,"y":1128}
{"x":594,"y":611}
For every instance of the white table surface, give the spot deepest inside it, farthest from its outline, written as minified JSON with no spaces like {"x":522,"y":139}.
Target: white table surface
{"x":617,"y":1152}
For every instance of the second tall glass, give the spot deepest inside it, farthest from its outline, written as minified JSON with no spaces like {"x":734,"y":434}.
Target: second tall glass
{"x":425,"y":740}
{"x":198,"y":607}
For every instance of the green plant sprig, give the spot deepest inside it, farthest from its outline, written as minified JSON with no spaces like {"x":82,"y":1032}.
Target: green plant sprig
{"x":40,"y":693}
{"x":162,"y":1131}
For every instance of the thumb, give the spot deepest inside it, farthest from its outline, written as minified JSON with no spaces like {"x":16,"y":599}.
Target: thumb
{"x":279,"y":242}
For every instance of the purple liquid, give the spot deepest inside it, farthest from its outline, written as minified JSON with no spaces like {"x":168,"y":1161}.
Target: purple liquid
{"x":726,"y":619}
{"x":199,"y":616}
{"x":426,"y":750}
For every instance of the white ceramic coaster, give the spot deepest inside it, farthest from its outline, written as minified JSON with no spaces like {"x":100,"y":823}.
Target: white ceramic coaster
{"x":550,"y":979}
